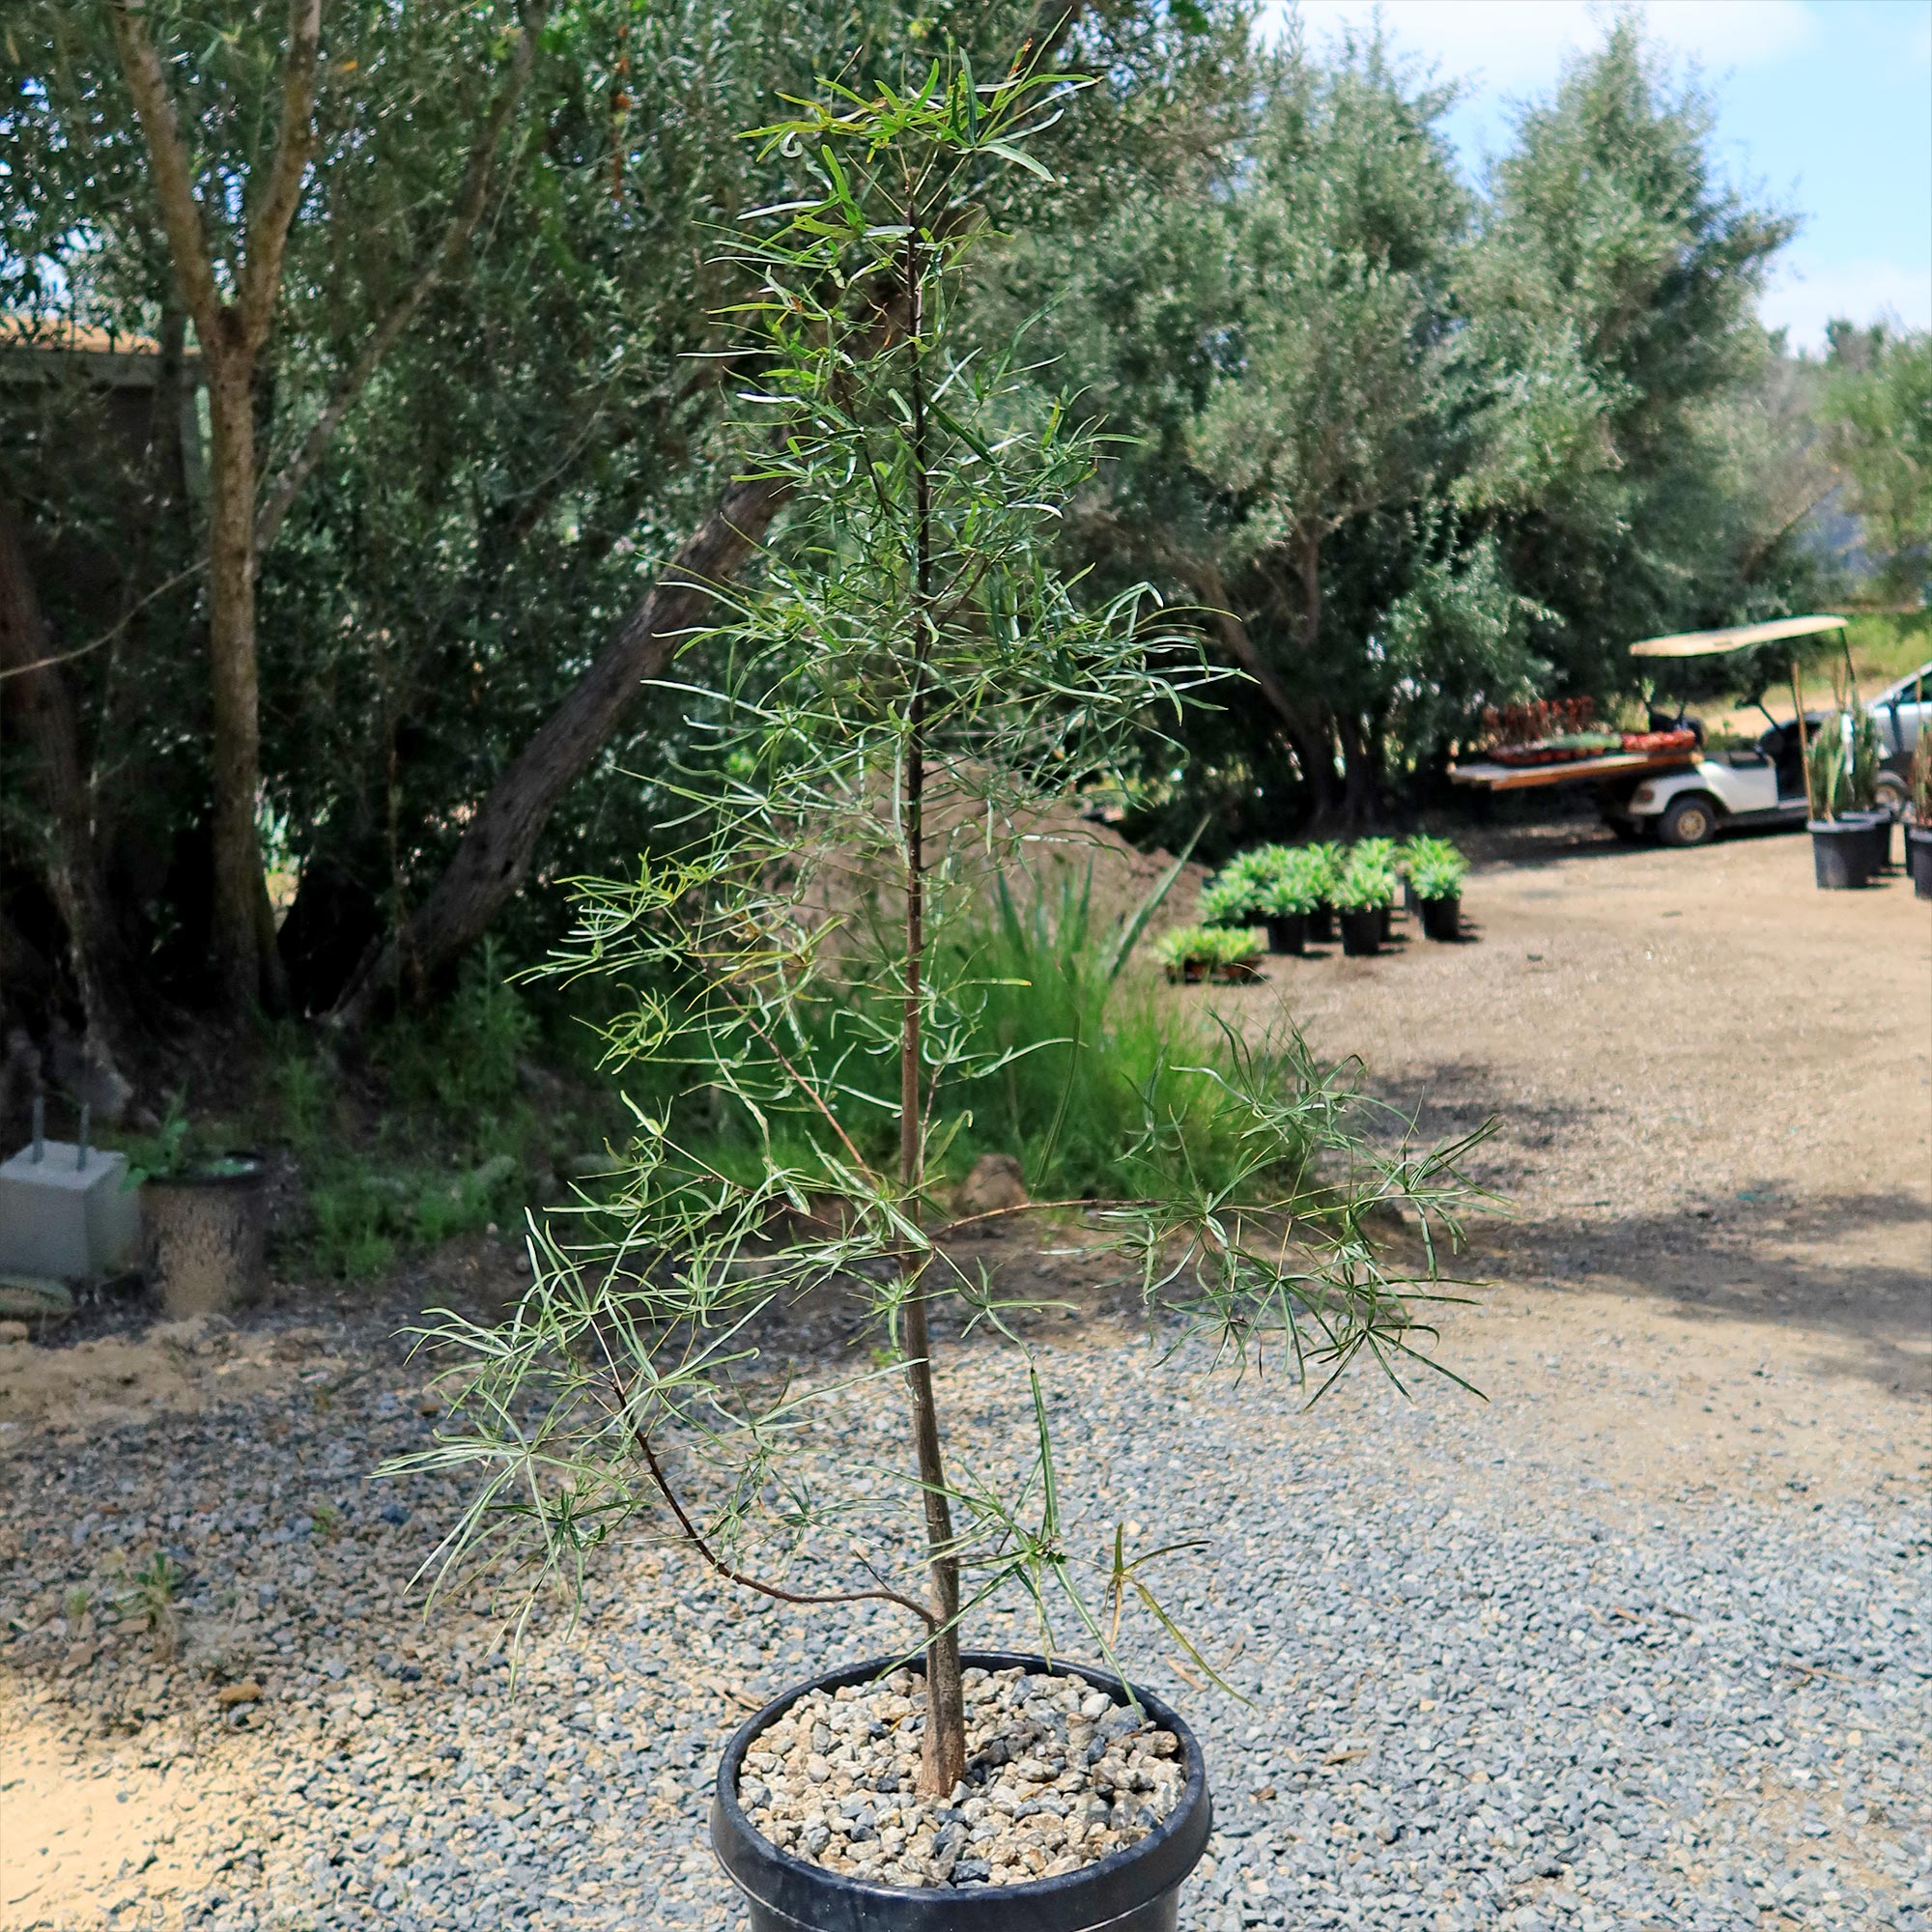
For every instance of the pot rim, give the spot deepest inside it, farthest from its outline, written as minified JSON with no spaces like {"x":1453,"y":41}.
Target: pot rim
{"x":1173,"y":1848}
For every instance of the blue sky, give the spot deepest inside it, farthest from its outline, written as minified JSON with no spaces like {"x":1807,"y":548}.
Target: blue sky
{"x":1826,"y":105}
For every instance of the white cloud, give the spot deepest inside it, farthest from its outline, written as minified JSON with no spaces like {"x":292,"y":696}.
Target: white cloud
{"x":1806,"y":293}
{"x":1515,"y":45}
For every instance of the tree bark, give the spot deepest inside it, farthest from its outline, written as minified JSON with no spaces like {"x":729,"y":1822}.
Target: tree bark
{"x":38,"y":698}
{"x":232,"y":334}
{"x":494,"y":857}
{"x":243,"y":924}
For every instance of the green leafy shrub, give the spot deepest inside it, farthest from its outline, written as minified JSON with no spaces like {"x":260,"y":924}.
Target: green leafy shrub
{"x":1434,"y":866}
{"x":1299,"y":885}
{"x":1365,"y":882}
{"x":1325,"y":860}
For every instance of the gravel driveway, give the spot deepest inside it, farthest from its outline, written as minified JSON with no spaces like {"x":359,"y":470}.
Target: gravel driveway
{"x":1489,"y":1687}
{"x":1642,"y":1641}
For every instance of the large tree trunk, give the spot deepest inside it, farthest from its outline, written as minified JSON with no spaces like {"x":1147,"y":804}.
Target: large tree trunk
{"x":494,"y":857}
{"x":39,"y":700}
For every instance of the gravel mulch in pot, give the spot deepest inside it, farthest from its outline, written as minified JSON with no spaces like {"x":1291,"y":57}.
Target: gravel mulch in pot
{"x":1058,"y":1776}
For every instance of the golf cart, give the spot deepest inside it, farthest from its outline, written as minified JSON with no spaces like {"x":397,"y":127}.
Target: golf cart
{"x":1763,"y":783}
{"x":1659,"y":782}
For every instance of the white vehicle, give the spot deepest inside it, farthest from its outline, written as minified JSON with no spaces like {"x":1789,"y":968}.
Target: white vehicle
{"x":1764,"y":786}
{"x":1685,"y":797}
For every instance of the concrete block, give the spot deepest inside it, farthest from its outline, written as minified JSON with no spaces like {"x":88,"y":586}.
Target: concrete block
{"x":70,"y":1214}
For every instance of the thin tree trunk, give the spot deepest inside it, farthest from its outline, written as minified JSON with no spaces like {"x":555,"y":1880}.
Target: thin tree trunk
{"x":494,"y":857}
{"x":943,"y":1756}
{"x":245,"y":964}
{"x":38,"y":696}
{"x":1361,"y":790}
{"x":232,"y":335}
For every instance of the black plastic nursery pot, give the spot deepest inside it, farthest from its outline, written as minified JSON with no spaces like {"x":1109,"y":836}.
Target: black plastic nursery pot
{"x":1918,"y":858}
{"x":1388,"y":923}
{"x":1134,"y":1890}
{"x":1840,"y":854}
{"x":1878,"y":838}
{"x":1322,"y":924}
{"x":1362,"y":931}
{"x":1287,"y":932}
{"x":1441,"y":918}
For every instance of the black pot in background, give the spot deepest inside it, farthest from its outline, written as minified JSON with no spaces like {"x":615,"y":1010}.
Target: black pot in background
{"x":1878,"y":837}
{"x":1388,"y":923}
{"x":1840,"y":854}
{"x":1288,"y":931}
{"x":1362,"y":930}
{"x":1409,"y":901}
{"x":1134,"y":1890}
{"x":1322,"y":923}
{"x":1441,"y":918}
{"x":1918,"y":858}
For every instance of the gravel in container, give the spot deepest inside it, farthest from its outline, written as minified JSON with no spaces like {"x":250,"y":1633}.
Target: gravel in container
{"x":1058,"y":1776}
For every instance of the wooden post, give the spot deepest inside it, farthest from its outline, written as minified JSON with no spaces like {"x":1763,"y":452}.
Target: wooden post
{"x":1803,"y":748}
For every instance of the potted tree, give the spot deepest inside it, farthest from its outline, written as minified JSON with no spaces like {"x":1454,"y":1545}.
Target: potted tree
{"x":1842,"y":841}
{"x":204,"y":1217}
{"x":1437,"y":872}
{"x":911,"y":681}
{"x":1362,"y":902}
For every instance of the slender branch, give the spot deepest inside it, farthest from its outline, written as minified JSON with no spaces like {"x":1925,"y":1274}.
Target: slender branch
{"x":462,"y":225}
{"x":804,"y":1086}
{"x":174,"y":179}
{"x":266,"y":237}
{"x":695,"y":1538}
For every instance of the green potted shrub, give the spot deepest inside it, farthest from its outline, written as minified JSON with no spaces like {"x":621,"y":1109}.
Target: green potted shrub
{"x":1362,"y":900}
{"x":1289,"y":899}
{"x":911,"y":634}
{"x":204,"y":1217}
{"x":1433,"y":871}
{"x":1846,"y":848}
{"x":1325,"y":861}
{"x":1380,"y":854}
{"x":1233,"y":895}
{"x":1234,"y":952}
{"x":1187,"y":952}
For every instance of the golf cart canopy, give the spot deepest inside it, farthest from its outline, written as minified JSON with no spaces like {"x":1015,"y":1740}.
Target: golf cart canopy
{"x":1739,"y":637}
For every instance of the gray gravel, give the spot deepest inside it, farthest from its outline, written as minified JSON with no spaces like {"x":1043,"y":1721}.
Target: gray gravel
{"x":1474,"y":1701}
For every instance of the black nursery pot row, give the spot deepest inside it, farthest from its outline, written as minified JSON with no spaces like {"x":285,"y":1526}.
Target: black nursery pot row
{"x":1848,"y":852}
{"x":1363,"y":933}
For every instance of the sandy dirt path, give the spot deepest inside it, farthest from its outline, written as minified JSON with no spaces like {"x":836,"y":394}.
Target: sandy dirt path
{"x":1713,"y":1085}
